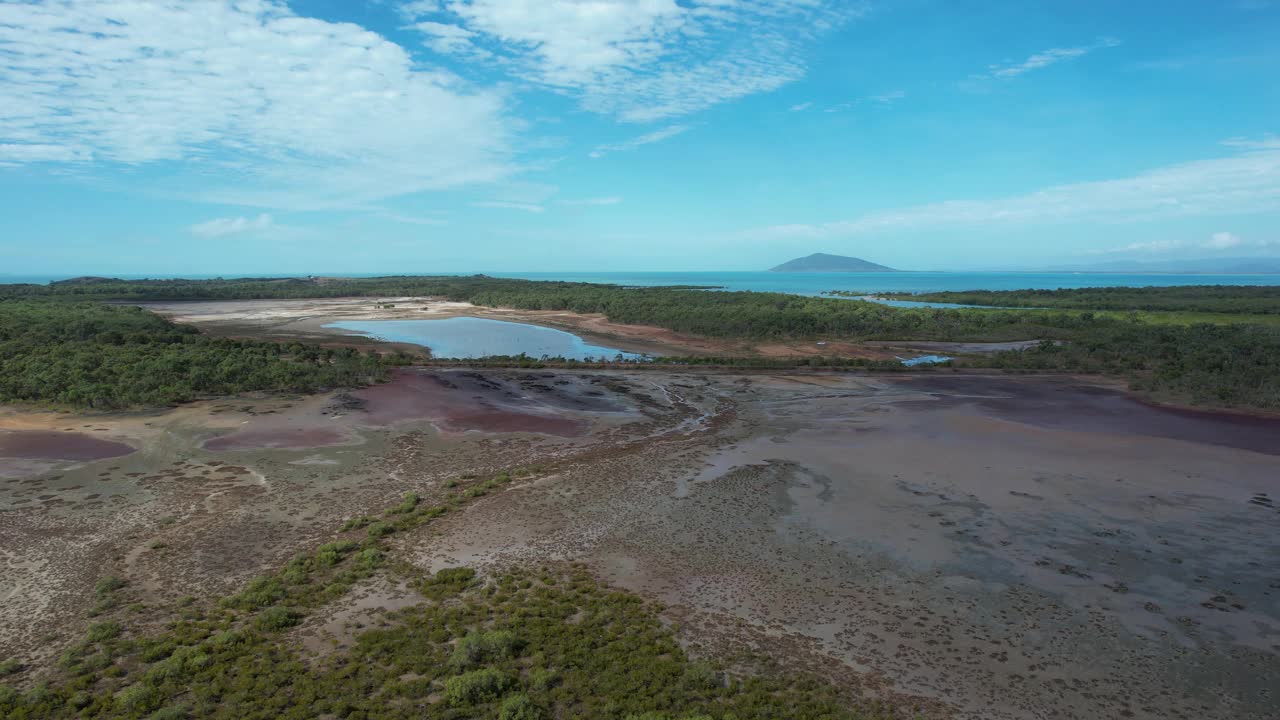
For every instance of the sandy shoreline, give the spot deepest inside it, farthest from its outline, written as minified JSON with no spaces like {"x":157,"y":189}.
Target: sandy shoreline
{"x":304,"y":320}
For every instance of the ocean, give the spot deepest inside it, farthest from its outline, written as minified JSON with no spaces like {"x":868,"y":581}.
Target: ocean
{"x":869,"y":283}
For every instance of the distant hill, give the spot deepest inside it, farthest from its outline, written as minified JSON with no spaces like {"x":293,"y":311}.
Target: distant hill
{"x":1203,"y":266}
{"x":85,"y":280}
{"x":822,"y":262}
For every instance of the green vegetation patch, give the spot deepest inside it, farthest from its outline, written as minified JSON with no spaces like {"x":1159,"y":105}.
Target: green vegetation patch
{"x":520,"y":645}
{"x":1155,"y":337}
{"x":106,"y":357}
{"x":1243,"y":299}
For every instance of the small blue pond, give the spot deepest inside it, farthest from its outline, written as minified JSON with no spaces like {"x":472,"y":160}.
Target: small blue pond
{"x":925,"y":360}
{"x":469,"y":337}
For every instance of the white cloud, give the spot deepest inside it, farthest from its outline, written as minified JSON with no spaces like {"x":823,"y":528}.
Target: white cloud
{"x":417,"y":8}
{"x":644,"y":60}
{"x":1043,"y":59}
{"x":507,"y":205}
{"x":449,"y":39}
{"x":1151,"y":246}
{"x":800,"y":107}
{"x":646,"y":139}
{"x":592,"y":202}
{"x":231,"y":226}
{"x":1247,"y":182}
{"x":1218,"y":241}
{"x":17,"y":153}
{"x":305,"y":113}
{"x":1223,"y":240}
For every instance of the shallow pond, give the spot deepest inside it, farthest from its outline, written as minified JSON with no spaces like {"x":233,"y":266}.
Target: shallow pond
{"x":53,"y":445}
{"x":469,"y":337}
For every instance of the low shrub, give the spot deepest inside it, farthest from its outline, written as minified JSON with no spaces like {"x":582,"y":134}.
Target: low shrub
{"x":103,"y":631}
{"x":477,"y":648}
{"x":108,"y":585}
{"x":519,"y":707}
{"x":477,"y":686}
{"x":448,"y":581}
{"x":278,"y":618}
{"x":138,"y":698}
{"x":380,"y":529}
{"x":406,"y":505}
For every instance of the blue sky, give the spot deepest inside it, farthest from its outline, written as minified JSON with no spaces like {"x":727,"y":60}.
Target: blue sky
{"x":259,"y":136}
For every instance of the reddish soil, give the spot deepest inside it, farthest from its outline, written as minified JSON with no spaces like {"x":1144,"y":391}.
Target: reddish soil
{"x":458,"y":403}
{"x":49,"y":445}
{"x":505,"y":421}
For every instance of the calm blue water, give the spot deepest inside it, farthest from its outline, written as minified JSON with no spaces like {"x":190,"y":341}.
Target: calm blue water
{"x":926,"y":360}
{"x":816,"y":283}
{"x":468,"y":337}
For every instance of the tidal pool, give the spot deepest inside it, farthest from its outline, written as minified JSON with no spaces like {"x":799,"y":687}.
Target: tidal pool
{"x":51,"y":445}
{"x":470,"y":337}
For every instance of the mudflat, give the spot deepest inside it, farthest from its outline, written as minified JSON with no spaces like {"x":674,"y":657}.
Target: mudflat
{"x":977,"y":547}
{"x":51,"y":445}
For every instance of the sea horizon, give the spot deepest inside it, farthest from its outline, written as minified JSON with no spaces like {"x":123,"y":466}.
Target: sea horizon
{"x":808,"y":283}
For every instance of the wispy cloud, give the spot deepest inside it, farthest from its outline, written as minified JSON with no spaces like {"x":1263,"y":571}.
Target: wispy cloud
{"x":638,"y":61}
{"x":1219,"y":241}
{"x":412,"y":219}
{"x":35,"y":152}
{"x":1150,"y":246}
{"x":883,"y":100}
{"x":646,"y":139}
{"x":1043,"y":59}
{"x":889,"y":97}
{"x":506,"y":205}
{"x":1224,"y":241}
{"x":301,"y":112}
{"x":1266,"y":142}
{"x":449,"y":39}
{"x":220,"y":227}
{"x":1246,"y":182}
{"x":592,"y":202}
{"x":800,"y":107}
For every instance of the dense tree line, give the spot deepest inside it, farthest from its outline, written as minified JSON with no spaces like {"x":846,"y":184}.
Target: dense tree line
{"x":778,"y":316}
{"x":1213,"y":364}
{"x":103,"y":356}
{"x":253,"y":288}
{"x":1247,"y":299}
{"x":1205,"y":364}
{"x":703,"y":312}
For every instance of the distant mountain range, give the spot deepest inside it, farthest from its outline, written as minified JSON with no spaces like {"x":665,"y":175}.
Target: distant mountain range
{"x":822,"y":262}
{"x":1204,"y":266}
